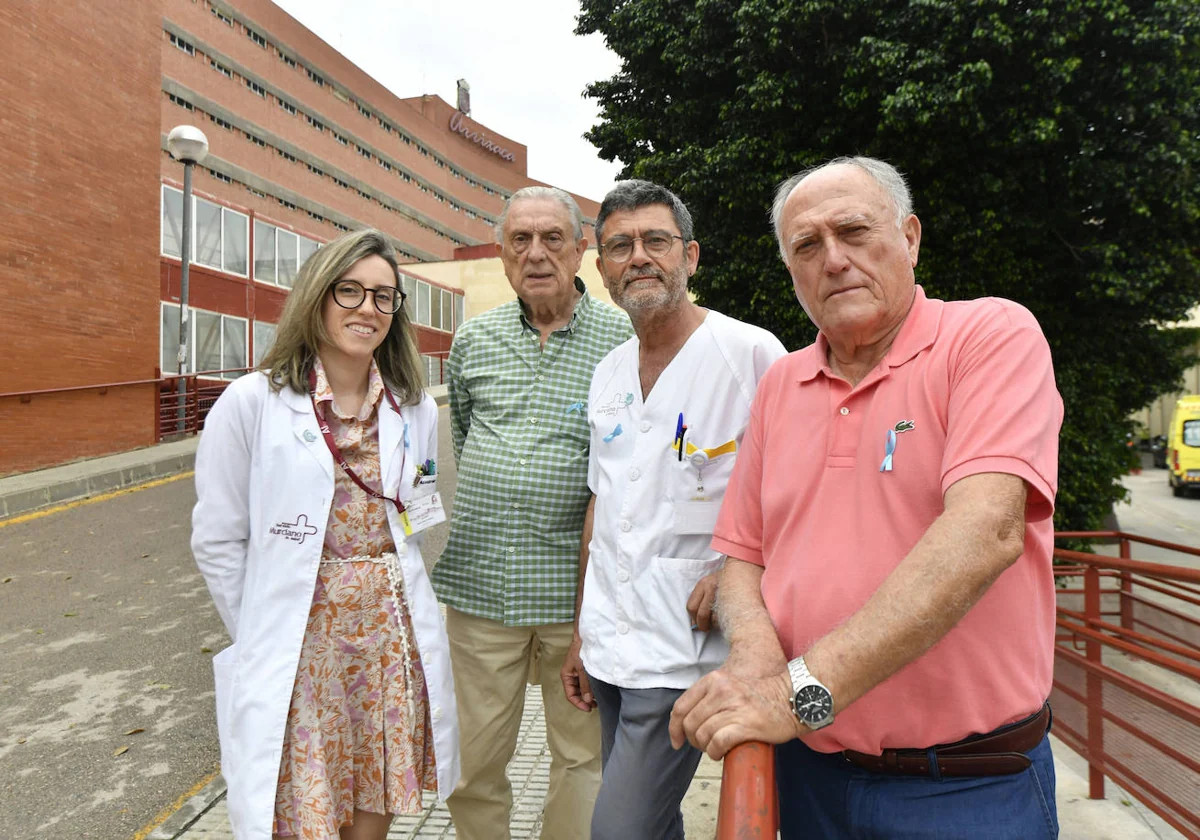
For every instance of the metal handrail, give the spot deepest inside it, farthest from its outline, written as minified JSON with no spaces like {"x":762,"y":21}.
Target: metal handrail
{"x":102,"y":386}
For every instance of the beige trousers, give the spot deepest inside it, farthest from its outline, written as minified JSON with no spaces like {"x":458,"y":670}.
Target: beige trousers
{"x":492,"y":663}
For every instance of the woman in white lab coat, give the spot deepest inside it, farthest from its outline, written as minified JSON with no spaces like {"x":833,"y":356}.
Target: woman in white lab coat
{"x":315,"y":477}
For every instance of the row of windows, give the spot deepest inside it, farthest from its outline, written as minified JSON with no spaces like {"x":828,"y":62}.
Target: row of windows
{"x":225,"y":124}
{"x":219,"y":235}
{"x":219,"y":241}
{"x":431,"y":306}
{"x":279,"y":253}
{"x":345,"y":96}
{"x":401,"y":252}
{"x":217,"y":342}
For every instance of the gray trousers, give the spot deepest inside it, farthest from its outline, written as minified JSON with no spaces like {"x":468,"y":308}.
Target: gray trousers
{"x":644,"y":778}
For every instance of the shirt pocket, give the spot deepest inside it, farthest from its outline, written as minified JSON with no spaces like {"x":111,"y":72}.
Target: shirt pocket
{"x":673,"y":579}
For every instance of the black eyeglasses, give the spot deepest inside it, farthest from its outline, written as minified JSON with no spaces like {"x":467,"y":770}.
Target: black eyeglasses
{"x":620,"y":248}
{"x":349,"y":294}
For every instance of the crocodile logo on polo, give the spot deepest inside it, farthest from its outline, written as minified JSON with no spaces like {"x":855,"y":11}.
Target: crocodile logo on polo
{"x":295,"y":531}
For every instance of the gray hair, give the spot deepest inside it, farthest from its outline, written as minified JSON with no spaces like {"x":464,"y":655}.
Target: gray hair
{"x":632,"y":194}
{"x":883,"y":173}
{"x":554,"y":194}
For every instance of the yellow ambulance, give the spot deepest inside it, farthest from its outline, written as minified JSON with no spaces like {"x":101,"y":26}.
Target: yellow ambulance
{"x":1183,"y":446}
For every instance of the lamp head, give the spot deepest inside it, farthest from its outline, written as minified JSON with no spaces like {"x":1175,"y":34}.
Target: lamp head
{"x":187,"y":144}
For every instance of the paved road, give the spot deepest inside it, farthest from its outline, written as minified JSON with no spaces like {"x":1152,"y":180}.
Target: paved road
{"x":108,"y":629}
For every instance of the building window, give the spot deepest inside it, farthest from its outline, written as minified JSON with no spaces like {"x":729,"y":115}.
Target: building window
{"x":286,"y":59}
{"x":314,"y":170}
{"x":433,"y":369}
{"x":341,"y":183}
{"x":422,"y":303}
{"x":228,"y":126}
{"x":363,"y":152}
{"x":315,"y":123}
{"x":279,"y":253}
{"x":264,"y":337}
{"x":228,"y":21}
{"x":216,"y":342}
{"x":447,"y":310}
{"x":287,"y":106}
{"x":385,"y":125}
{"x":256,"y":38}
{"x":219,"y":237}
{"x":257,"y":141}
{"x":220,"y":176}
{"x":341,"y":139}
{"x":286,"y":155}
{"x":257,"y":88}
{"x":182,"y":103}
{"x":385,"y":165}
{"x":316,"y":79}
{"x":183,"y":45}
{"x":221,"y":68}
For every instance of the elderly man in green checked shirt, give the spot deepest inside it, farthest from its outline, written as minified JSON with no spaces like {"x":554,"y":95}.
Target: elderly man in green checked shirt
{"x":519,"y":377}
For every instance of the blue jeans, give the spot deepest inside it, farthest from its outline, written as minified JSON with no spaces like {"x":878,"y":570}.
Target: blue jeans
{"x":824,"y":796}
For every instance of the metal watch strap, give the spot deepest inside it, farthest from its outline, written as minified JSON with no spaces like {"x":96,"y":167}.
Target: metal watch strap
{"x":801,"y":677}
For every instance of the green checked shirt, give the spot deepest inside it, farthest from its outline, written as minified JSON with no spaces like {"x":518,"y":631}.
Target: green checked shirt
{"x":519,"y":420}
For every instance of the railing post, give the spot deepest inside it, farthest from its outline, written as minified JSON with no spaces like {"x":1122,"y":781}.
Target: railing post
{"x":1126,"y":590}
{"x":749,"y":805}
{"x":1095,"y":686}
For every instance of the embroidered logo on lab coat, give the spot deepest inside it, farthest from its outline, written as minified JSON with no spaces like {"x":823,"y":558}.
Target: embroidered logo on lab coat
{"x":618,"y":402}
{"x":295,"y":531}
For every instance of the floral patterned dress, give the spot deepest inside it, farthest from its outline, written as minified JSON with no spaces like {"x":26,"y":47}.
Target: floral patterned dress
{"x":358,"y":730}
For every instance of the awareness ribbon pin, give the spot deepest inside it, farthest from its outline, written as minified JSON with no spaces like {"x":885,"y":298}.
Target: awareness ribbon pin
{"x":886,"y":466}
{"x":890,"y":448}
{"x":608,"y":438}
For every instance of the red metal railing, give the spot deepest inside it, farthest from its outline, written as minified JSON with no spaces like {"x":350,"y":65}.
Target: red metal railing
{"x":182,"y":412}
{"x":1128,"y":644}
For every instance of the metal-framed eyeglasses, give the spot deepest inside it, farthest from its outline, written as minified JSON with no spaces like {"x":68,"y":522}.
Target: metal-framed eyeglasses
{"x":619,"y":249}
{"x":349,"y":294}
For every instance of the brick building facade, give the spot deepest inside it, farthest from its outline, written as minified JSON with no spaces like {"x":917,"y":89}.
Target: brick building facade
{"x":302,"y":146}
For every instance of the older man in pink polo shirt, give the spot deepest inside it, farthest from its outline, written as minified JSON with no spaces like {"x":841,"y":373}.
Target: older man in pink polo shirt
{"x":888,"y":596}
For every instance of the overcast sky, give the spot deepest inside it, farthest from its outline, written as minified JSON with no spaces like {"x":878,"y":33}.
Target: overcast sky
{"x":526,"y":67}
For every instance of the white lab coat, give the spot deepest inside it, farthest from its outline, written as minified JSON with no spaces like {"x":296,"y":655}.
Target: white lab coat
{"x":264,"y":481}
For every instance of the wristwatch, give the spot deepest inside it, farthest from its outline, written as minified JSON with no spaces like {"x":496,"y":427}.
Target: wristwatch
{"x":811,"y":701}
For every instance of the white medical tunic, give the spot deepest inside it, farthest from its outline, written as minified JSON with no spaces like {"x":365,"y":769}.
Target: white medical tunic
{"x":655,"y":510}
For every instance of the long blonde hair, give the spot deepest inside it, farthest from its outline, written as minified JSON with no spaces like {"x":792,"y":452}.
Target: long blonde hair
{"x":301,"y":329}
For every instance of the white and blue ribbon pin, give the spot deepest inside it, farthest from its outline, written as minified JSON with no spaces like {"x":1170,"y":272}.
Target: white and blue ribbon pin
{"x":576,"y":406}
{"x":608,"y":438}
{"x":890,"y":447}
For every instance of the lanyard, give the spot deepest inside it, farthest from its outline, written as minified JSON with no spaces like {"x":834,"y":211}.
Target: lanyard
{"x":331,"y":442}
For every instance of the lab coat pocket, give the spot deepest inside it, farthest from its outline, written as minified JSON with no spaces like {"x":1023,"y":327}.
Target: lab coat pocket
{"x":674,"y":578}
{"x":223,"y":667}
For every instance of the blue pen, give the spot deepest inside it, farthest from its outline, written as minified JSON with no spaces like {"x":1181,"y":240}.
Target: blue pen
{"x":679,"y":428}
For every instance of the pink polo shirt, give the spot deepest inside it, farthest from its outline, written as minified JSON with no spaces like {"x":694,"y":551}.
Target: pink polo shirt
{"x":809,"y":503}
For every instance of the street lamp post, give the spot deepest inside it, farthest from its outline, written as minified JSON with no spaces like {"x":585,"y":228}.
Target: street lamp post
{"x":187,"y":144}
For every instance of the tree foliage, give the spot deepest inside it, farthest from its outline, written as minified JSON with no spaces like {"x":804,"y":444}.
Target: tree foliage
{"x":1051,"y":147}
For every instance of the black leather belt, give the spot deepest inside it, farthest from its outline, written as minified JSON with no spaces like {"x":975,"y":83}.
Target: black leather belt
{"x":997,"y":753}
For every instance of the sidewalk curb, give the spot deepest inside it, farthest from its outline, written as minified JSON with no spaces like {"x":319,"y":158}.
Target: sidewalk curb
{"x":54,"y":490}
{"x":191,"y":811}
{"x":29,"y":492}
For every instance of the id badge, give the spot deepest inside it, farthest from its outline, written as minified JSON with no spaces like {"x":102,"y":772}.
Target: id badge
{"x":696,"y":517}
{"x":425,"y":485}
{"x":421,"y":513}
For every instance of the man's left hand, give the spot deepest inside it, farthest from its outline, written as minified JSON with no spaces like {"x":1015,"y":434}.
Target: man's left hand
{"x":721,"y":711}
{"x":701,"y":602}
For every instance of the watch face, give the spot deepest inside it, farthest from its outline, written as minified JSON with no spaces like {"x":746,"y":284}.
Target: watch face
{"x":813,"y":704}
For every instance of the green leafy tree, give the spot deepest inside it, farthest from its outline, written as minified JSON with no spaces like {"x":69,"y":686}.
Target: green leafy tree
{"x":1051,"y":147}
